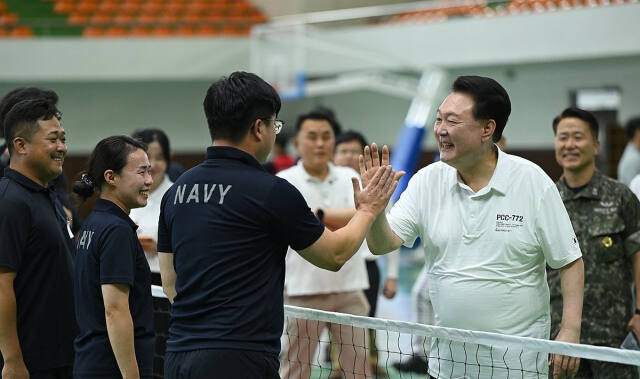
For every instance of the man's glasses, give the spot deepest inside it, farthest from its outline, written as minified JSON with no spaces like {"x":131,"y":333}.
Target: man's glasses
{"x":277,"y":124}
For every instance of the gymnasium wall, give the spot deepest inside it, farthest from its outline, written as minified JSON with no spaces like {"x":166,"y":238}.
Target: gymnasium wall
{"x":93,"y":110}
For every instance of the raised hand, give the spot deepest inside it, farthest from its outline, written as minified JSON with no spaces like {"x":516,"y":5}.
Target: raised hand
{"x":375,"y":196}
{"x":370,"y":163}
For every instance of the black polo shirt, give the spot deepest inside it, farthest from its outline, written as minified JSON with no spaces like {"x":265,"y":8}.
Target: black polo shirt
{"x":229,"y":223}
{"x":108,"y":252}
{"x":34,"y":243}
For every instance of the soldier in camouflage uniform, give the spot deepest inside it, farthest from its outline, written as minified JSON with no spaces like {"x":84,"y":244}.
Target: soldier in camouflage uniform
{"x":606,"y":219}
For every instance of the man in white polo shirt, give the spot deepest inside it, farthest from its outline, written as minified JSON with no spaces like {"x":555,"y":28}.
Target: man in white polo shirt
{"x":329,"y":192}
{"x":489,"y":223}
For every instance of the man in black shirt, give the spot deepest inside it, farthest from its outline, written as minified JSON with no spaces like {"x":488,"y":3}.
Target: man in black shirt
{"x":37,"y":323}
{"x":223,"y":233}
{"x":7,"y":102}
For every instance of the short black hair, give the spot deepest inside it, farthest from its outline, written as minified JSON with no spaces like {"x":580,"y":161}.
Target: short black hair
{"x":155,"y":135}
{"x":19,"y":94}
{"x":233,"y":103}
{"x":22,"y":119}
{"x":632,"y":125}
{"x":581,"y":114}
{"x":491,"y":101}
{"x":351,"y":135}
{"x":109,"y":154}
{"x":320,"y":113}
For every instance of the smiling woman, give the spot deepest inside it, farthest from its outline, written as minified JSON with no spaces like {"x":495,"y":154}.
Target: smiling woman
{"x":112,"y":278}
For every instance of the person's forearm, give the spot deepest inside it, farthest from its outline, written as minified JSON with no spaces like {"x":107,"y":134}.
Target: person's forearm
{"x":572,"y":283}
{"x":380,"y":238}
{"x":120,"y":330}
{"x":169,"y":290}
{"x":167,"y":275}
{"x":9,"y":343}
{"x":335,"y":219}
{"x":350,"y":238}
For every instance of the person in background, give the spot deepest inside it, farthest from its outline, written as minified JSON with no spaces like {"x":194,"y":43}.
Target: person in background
{"x":147,"y":217}
{"x":158,"y":150}
{"x":634,"y":186}
{"x":37,"y":323}
{"x":327,"y":189}
{"x":112,"y":284}
{"x":349,"y":146}
{"x":281,"y":160}
{"x":606,"y":218}
{"x":629,"y":165}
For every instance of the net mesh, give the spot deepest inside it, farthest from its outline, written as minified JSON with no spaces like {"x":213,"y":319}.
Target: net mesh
{"x":320,"y":344}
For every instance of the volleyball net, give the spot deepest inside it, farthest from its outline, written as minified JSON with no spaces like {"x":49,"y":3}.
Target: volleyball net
{"x":320,"y":344}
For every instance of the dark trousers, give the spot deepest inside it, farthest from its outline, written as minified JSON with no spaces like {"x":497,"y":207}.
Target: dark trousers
{"x":590,"y":369}
{"x":221,"y":364}
{"x":372,"y":297}
{"x":53,"y":373}
{"x":374,"y":287}
{"x":161,"y":307}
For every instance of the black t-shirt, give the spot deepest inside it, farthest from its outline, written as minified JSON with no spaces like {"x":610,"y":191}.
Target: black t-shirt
{"x":108,"y":252}
{"x":228,"y":224}
{"x":34,"y":242}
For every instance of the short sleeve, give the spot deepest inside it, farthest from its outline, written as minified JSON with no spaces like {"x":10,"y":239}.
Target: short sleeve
{"x":291,"y":216}
{"x":15,"y":222}
{"x":117,"y":255}
{"x":164,"y":237}
{"x":404,"y":217}
{"x":631,"y":217}
{"x":634,"y":186}
{"x":554,"y":230}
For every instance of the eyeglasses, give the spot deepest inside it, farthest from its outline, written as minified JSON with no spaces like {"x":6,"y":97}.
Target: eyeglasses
{"x":277,"y":124}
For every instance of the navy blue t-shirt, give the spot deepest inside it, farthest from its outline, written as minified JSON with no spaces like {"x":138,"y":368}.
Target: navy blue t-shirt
{"x":35,"y":243}
{"x":229,"y":223}
{"x":108,"y":252}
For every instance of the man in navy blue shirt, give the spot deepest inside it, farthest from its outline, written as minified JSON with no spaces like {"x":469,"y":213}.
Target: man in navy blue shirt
{"x":37,"y":323}
{"x":223,"y":233}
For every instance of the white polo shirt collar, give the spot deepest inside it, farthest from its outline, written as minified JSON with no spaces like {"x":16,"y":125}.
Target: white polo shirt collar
{"x":498,"y":182}
{"x":331,"y":176}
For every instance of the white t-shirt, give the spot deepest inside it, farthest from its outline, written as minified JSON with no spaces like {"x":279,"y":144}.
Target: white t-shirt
{"x":147,"y":220}
{"x":635,"y":186}
{"x":629,"y":165}
{"x":485,"y":254}
{"x":335,"y":191}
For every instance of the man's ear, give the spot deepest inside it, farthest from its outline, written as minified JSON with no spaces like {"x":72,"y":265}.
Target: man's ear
{"x":488,"y":129}
{"x":257,"y":130}
{"x":20,"y":145}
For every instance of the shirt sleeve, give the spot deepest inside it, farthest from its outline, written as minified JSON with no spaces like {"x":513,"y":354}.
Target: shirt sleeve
{"x":15,"y":222}
{"x":554,"y":230}
{"x":118,"y":255}
{"x":404,"y":217}
{"x":164,"y":237}
{"x":392,"y":264}
{"x":634,"y":186}
{"x":631,"y":218}
{"x":291,"y":216}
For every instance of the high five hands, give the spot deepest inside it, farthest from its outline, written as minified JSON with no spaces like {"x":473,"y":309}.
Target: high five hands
{"x":378,"y":180}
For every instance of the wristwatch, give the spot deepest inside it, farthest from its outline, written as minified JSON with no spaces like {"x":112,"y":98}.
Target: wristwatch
{"x":320,"y":214}
{"x":637,"y":311}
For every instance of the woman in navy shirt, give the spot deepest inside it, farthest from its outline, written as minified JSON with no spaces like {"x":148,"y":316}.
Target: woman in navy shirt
{"x":112,"y":286}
